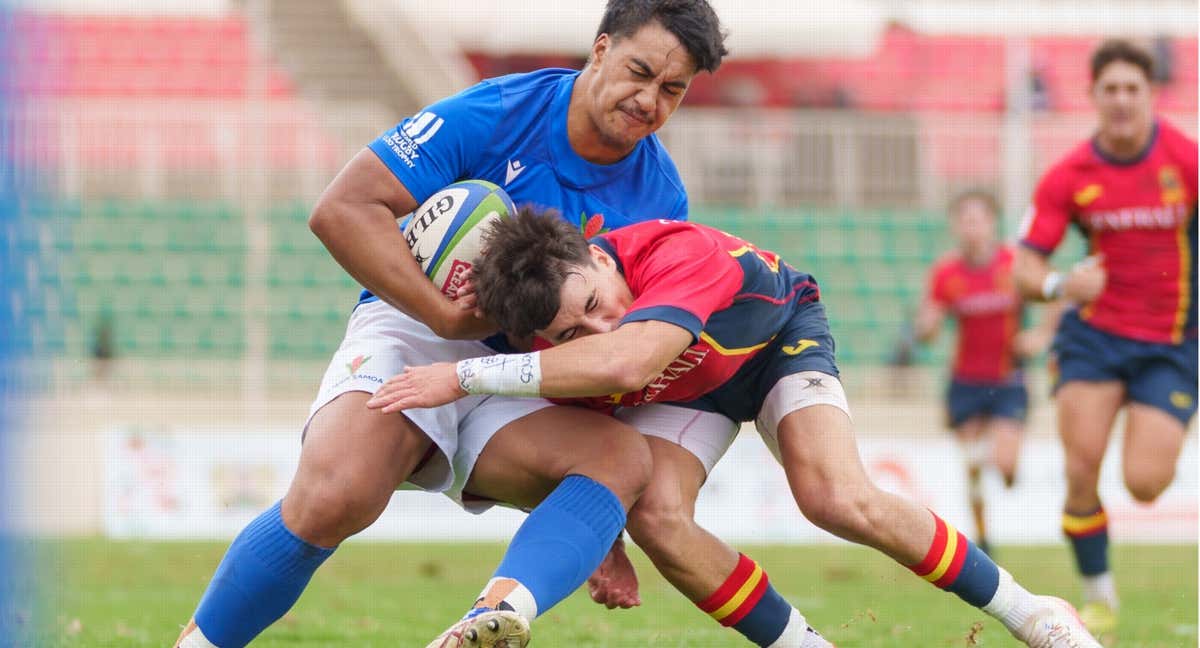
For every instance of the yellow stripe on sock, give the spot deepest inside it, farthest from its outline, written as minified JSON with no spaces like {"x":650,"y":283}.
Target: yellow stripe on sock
{"x":1075,"y":524}
{"x":740,"y":596}
{"x":947,"y":556}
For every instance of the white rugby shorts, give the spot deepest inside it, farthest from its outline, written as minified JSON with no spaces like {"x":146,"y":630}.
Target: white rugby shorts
{"x":380,"y":342}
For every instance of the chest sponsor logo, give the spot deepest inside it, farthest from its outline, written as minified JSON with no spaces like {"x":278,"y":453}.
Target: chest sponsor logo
{"x":679,"y":367}
{"x":1158,"y":217}
{"x":986,"y":303}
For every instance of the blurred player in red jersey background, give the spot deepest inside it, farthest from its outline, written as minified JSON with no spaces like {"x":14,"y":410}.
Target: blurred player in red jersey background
{"x":986,"y":401}
{"x":1131,"y":342}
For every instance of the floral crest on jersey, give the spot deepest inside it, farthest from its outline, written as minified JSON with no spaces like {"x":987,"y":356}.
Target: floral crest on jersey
{"x":1171,"y":186}
{"x":591,"y":226}
{"x":1088,"y":194}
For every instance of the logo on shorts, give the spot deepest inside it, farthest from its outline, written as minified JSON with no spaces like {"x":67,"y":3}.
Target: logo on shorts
{"x":1181,"y":400}
{"x":354,"y":365}
{"x":800,"y":347}
{"x":813,"y":382}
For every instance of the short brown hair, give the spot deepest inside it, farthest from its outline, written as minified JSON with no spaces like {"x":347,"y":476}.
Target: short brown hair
{"x":1119,"y":49}
{"x":987,"y":198}
{"x":519,"y":276}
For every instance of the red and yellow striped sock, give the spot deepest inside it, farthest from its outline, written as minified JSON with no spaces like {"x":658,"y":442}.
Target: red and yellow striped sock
{"x":1088,"y":533}
{"x":956,"y":565}
{"x":747,"y":603}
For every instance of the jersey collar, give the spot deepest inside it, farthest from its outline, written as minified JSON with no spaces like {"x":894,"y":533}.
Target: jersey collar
{"x":1130,"y":161}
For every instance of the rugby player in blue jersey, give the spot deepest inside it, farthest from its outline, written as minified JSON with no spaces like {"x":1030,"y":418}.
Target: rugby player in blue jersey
{"x":579,"y":141}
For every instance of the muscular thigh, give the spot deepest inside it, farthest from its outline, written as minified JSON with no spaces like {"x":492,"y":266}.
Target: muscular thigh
{"x":1153,"y":439}
{"x":346,"y":437}
{"x":1086,"y":411}
{"x":526,"y":459}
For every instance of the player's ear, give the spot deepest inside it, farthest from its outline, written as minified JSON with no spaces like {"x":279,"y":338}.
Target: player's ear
{"x":600,"y":47}
{"x":600,"y":258}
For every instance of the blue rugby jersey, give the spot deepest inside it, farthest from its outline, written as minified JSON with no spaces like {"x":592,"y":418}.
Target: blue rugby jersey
{"x":512,"y":130}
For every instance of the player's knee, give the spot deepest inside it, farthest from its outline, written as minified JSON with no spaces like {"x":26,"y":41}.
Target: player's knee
{"x":1146,"y":486}
{"x":655,"y":522}
{"x":843,"y":510}
{"x":1083,"y":470}
{"x":623,"y":464}
{"x":325,"y":512}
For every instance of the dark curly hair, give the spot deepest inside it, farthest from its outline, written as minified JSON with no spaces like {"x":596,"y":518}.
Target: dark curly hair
{"x":519,"y":276}
{"x":693,"y":22}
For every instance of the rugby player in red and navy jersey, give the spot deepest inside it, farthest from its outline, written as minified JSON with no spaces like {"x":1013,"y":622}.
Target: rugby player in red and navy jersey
{"x":1131,"y":343}
{"x":986,"y":400}
{"x":665,"y":311}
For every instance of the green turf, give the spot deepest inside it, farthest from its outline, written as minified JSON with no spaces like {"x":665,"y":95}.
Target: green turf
{"x":378,"y":594}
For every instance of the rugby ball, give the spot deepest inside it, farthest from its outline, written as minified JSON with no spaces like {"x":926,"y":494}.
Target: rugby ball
{"x":445,"y":233}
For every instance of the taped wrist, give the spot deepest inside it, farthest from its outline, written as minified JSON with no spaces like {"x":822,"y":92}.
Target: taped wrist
{"x":505,"y":375}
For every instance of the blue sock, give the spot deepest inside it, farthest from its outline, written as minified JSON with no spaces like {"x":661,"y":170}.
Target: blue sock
{"x":260,"y":578}
{"x":563,"y":540}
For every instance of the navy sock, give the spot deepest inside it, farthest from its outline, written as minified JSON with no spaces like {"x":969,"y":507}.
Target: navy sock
{"x":263,"y":573}
{"x":563,"y":540}
{"x":1088,"y":534}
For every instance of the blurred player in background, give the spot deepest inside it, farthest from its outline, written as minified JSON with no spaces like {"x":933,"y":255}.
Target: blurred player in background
{"x":678,"y":312}
{"x":986,"y":401}
{"x":581,"y":141}
{"x":1131,"y":342}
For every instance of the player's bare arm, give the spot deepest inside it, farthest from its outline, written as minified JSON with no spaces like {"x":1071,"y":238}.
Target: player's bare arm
{"x":623,"y":360}
{"x":1036,"y":339}
{"x":929,"y":321}
{"x":1039,"y":281}
{"x":355,"y":218}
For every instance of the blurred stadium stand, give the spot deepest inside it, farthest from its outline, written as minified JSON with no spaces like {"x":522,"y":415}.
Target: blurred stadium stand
{"x":171,"y":160}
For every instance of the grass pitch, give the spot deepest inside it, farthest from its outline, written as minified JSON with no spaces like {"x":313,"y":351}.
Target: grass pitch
{"x":105,"y":593}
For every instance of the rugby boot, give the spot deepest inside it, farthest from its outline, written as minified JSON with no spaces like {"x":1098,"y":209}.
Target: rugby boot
{"x":491,"y":629}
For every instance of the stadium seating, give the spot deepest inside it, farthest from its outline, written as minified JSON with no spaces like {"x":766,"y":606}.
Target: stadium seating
{"x":170,"y":277}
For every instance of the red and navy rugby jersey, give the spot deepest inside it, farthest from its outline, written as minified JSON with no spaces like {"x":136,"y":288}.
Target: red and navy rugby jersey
{"x":984,"y":301}
{"x":731,"y":296}
{"x":1140,"y":214}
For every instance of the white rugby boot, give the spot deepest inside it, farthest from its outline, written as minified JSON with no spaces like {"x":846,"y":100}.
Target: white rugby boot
{"x":1056,"y":625}
{"x":492,"y":629}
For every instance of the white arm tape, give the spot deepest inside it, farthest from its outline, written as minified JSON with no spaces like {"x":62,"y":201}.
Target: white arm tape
{"x":505,"y":375}
{"x":1052,"y":286}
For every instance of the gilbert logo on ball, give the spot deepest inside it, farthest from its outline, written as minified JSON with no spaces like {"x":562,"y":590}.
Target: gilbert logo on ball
{"x":445,"y":232}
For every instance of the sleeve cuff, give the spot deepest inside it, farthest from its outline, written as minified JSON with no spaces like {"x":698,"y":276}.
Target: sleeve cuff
{"x":1044,"y":251}
{"x":669,"y":314}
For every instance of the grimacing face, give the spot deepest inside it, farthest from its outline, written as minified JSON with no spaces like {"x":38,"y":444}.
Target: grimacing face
{"x":639,"y":82}
{"x":1124,"y":101}
{"x":594,"y":298}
